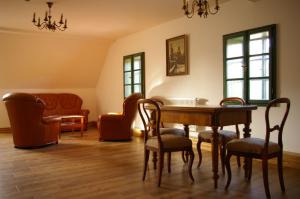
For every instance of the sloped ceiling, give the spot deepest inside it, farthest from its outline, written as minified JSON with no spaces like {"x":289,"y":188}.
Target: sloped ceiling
{"x":105,"y":18}
{"x":32,"y":58}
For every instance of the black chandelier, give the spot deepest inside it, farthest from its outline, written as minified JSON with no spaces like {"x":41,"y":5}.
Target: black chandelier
{"x":202,"y":10}
{"x":49,"y":23}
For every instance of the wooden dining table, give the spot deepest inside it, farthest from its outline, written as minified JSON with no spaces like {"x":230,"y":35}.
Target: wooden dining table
{"x":213,"y":116}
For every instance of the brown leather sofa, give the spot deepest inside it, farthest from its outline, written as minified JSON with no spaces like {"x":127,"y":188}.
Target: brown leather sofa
{"x":29,"y":127}
{"x":63,"y":104}
{"x":117,"y":126}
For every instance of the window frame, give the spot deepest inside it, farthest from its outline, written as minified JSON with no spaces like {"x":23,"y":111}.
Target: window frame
{"x":132,"y":70}
{"x":246,"y":56}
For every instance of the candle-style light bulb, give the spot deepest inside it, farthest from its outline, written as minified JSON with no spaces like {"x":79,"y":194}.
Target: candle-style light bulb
{"x":33,"y":20}
{"x":61,"y":19}
{"x":46,"y":16}
{"x":65,"y":26}
{"x":39,"y":22}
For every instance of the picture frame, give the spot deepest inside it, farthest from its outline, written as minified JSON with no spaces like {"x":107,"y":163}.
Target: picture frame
{"x":177,"y":56}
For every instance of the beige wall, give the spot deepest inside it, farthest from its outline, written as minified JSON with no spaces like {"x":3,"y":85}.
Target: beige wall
{"x":47,"y":62}
{"x":206,"y":67}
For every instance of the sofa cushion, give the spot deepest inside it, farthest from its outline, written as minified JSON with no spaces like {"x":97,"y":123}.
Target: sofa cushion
{"x":51,"y":102}
{"x":69,"y":104}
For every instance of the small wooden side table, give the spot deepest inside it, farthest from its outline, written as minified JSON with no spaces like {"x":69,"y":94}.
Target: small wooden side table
{"x":73,"y":123}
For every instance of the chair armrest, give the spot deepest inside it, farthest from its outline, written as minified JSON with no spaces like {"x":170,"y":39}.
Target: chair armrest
{"x":51,"y":119}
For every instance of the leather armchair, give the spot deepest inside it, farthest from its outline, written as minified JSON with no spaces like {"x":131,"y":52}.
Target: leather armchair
{"x":28,"y":126}
{"x":117,"y":126}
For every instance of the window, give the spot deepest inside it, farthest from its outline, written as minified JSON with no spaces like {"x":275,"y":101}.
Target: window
{"x":134,"y":75}
{"x":250,"y":65}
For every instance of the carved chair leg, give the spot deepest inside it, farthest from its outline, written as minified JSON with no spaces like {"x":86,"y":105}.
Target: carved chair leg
{"x":160,"y":167}
{"x":238,"y":160}
{"x":154,"y":159}
{"x":246,"y":167}
{"x":169,"y":162}
{"x":265,"y":176}
{"x":183,"y":157}
{"x":280,"y":172}
{"x":146,"y":156}
{"x":249,"y":169}
{"x":222,"y":156}
{"x":199,"y":153}
{"x":191,"y":160}
{"x":228,"y":169}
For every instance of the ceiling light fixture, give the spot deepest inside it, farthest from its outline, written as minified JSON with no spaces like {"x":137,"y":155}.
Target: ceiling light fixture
{"x":202,"y":10}
{"x":48,"y":22}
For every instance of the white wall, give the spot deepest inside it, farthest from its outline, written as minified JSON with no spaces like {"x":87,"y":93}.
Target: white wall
{"x":206,"y":54}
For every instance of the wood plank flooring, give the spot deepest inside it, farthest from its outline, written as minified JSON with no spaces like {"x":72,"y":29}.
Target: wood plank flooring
{"x":83,"y":167}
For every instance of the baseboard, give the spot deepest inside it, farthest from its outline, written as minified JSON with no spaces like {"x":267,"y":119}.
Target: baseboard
{"x":92,"y":124}
{"x":5,"y":130}
{"x":137,"y":132}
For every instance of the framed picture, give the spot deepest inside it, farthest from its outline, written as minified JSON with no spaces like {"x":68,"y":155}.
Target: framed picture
{"x":177,"y":56}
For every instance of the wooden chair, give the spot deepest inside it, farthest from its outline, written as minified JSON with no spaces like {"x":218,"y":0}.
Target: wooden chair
{"x":169,"y":130}
{"x":224,"y":135}
{"x":262,"y":149}
{"x":160,"y":143}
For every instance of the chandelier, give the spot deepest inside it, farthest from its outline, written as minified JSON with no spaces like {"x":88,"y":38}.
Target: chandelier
{"x":49,"y":23}
{"x":202,"y":10}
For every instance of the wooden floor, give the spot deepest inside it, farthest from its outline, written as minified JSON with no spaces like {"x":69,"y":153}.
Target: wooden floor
{"x":85,"y":168}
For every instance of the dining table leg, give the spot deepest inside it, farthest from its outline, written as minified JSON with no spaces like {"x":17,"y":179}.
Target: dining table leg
{"x":215,"y":159}
{"x":185,"y":157}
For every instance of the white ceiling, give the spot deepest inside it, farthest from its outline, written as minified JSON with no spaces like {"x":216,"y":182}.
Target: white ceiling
{"x":103,"y":18}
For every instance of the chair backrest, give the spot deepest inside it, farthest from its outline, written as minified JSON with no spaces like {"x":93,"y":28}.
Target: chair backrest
{"x":160,"y":103}
{"x":25,"y":115}
{"x":130,"y":106}
{"x":233,"y":100}
{"x":146,"y":109}
{"x":277,"y":127}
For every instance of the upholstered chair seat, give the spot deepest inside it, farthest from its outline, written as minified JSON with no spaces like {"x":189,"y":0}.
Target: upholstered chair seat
{"x":170,"y":141}
{"x":252,"y":145}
